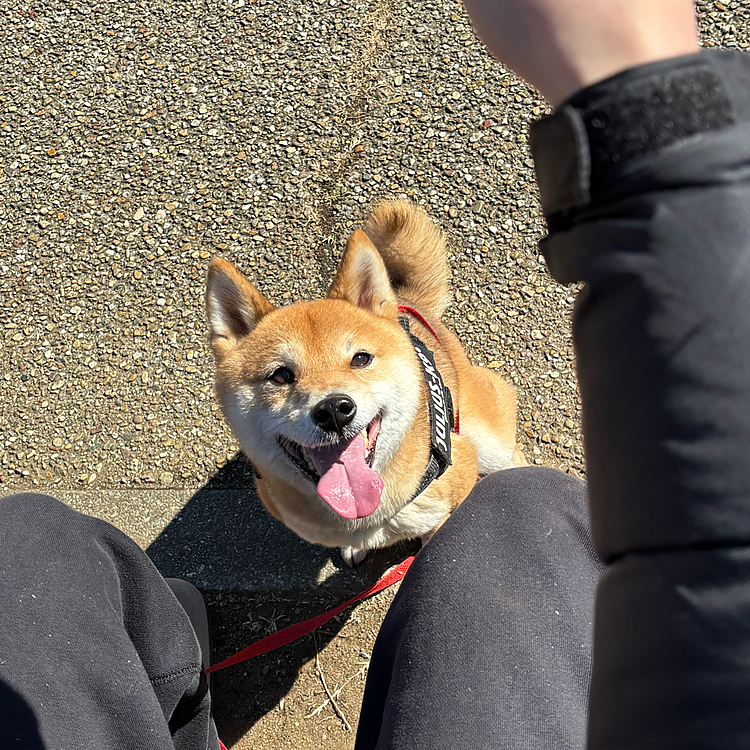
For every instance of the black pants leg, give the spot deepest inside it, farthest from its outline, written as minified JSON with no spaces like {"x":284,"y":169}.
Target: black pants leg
{"x":488,"y":642}
{"x":95,"y":651}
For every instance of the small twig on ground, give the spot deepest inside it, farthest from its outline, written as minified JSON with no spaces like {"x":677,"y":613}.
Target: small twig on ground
{"x":271,"y":627}
{"x":319,"y":671}
{"x":337,"y":692}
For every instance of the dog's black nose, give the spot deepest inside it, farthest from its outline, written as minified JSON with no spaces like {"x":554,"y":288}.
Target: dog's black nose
{"x":332,"y":414}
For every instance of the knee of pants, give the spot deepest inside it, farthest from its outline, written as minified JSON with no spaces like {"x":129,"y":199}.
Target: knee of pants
{"x":521,"y":504}
{"x":32,"y":510}
{"x":529,"y":489}
{"x":535,"y":481}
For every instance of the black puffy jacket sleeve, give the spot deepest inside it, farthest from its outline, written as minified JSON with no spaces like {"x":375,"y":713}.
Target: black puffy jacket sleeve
{"x":645,"y":183}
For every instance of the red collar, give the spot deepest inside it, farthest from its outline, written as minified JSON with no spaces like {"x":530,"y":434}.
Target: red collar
{"x":418,"y":315}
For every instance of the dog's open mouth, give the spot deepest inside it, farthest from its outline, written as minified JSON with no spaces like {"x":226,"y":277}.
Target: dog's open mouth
{"x":342,"y":472}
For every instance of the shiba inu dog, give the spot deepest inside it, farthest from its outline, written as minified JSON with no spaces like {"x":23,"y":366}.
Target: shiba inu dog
{"x":361,"y":413}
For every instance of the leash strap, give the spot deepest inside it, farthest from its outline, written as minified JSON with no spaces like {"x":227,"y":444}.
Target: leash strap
{"x":439,"y":401}
{"x":293,"y":632}
{"x":404,"y":321}
{"x":437,"y":466}
{"x":441,"y":413}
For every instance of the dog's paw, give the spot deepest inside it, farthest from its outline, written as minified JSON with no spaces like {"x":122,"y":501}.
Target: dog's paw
{"x":353,"y":556}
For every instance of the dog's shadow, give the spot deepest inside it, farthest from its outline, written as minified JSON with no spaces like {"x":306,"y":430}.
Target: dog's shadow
{"x":256,"y":577}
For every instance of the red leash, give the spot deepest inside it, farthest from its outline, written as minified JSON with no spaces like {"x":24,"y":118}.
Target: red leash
{"x":293,"y":632}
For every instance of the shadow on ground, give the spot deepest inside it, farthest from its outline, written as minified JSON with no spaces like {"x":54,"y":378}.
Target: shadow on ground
{"x":256,"y":577}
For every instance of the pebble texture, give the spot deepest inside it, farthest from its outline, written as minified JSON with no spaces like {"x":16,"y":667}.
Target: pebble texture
{"x":139,"y":139}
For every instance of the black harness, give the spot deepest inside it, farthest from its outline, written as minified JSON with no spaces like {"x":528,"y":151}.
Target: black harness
{"x":441,"y":412}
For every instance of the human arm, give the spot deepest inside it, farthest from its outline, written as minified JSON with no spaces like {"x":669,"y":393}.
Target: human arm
{"x":560,"y":46}
{"x":645,"y":182}
{"x":646,"y":187}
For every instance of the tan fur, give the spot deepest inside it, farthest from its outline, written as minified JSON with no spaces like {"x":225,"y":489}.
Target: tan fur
{"x":399,"y":257}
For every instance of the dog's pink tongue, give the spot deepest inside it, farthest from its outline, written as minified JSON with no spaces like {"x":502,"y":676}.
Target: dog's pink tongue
{"x":347,"y":483}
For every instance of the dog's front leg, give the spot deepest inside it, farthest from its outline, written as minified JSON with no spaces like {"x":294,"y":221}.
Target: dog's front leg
{"x":353,"y":556}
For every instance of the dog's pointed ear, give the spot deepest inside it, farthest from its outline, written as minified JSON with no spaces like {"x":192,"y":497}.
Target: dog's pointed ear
{"x":362,"y":278}
{"x":233,"y":306}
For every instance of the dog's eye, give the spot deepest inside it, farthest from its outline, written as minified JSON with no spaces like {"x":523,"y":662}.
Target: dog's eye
{"x":361,"y":359}
{"x":282,"y":376}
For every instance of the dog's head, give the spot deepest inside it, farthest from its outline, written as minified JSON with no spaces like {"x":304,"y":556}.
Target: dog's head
{"x":320,"y":394}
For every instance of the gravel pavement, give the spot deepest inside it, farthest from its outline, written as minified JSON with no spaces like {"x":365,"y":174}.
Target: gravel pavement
{"x":139,"y":139}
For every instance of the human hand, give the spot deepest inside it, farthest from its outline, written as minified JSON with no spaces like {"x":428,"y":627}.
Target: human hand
{"x":560,"y":46}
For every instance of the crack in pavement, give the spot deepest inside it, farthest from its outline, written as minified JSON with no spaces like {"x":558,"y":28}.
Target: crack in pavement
{"x":359,"y":80}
